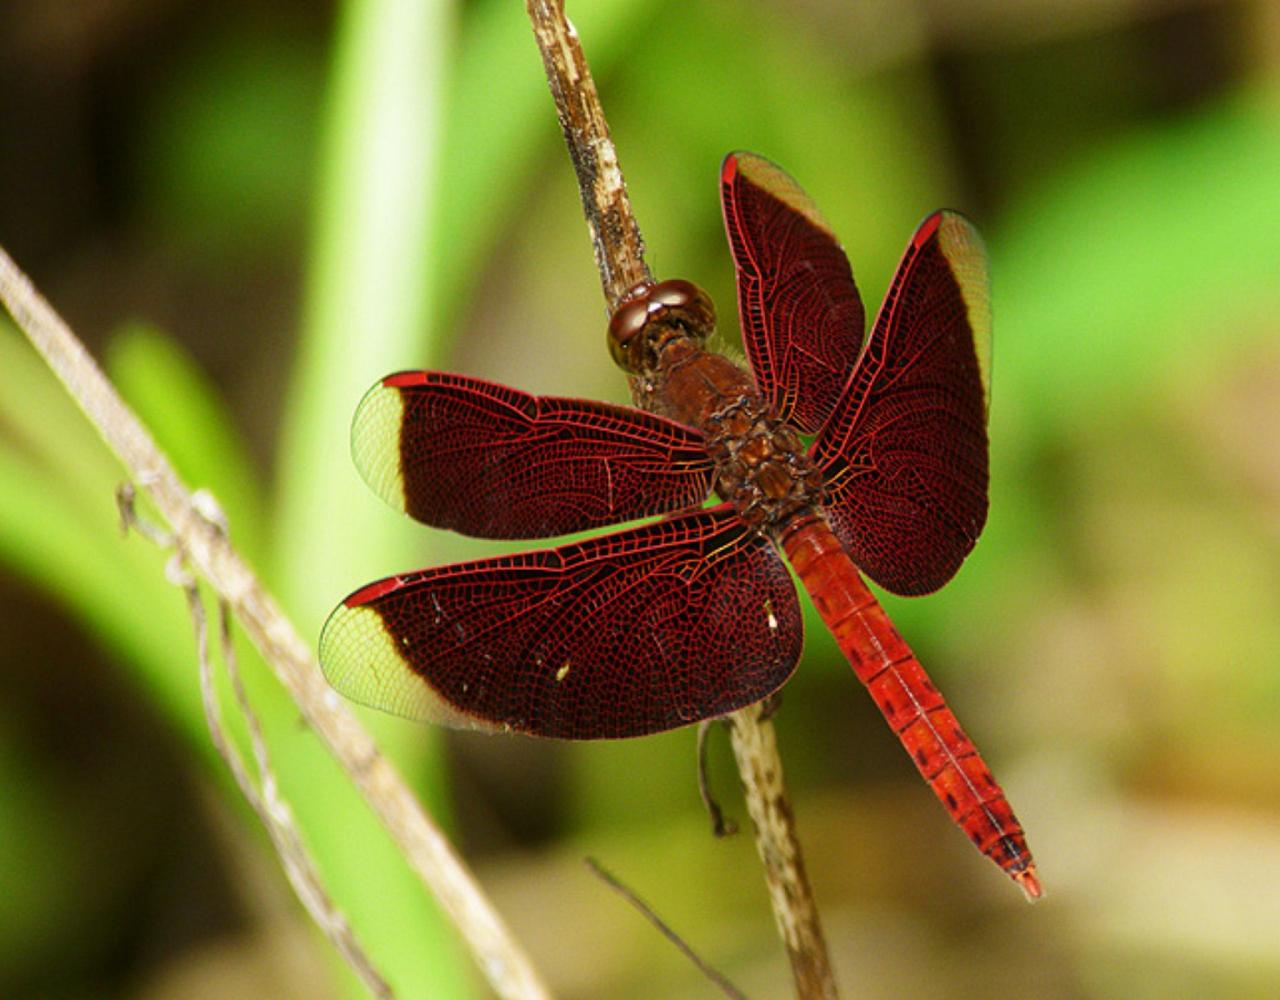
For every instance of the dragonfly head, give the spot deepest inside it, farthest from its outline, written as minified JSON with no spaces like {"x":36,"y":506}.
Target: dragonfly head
{"x":652,"y":314}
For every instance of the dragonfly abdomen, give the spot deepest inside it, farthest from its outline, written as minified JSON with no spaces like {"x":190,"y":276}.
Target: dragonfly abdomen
{"x":943,"y":754}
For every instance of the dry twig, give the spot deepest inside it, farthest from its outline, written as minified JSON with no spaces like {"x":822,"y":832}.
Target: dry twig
{"x":501,"y":960}
{"x":720,"y":825}
{"x":647,"y":911}
{"x":615,"y":236}
{"x":619,"y":253}
{"x":263,"y":795}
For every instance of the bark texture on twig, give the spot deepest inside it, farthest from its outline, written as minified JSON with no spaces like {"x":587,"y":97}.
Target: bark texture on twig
{"x":619,"y":252}
{"x":755,"y":747}
{"x":615,"y":236}
{"x":429,"y":853}
{"x":263,"y":794}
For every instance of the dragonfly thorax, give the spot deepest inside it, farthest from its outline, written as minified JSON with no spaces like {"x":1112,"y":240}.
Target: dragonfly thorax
{"x":761,"y":464}
{"x":658,"y":333}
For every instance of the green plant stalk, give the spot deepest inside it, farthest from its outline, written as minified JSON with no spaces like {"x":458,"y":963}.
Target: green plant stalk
{"x":368,"y":294}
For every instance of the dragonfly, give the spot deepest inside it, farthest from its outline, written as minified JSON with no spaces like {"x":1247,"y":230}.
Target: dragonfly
{"x":691,"y":614}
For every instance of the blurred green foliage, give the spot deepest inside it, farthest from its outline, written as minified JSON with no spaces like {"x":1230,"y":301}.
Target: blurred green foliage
{"x":270,"y":211}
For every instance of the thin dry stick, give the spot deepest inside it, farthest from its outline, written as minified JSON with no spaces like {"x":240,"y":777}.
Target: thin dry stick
{"x":755,"y":748}
{"x":502,"y":961}
{"x":615,"y":236}
{"x":619,"y":253}
{"x":270,"y":807}
{"x":720,"y":825}
{"x":277,"y":817}
{"x":647,"y":911}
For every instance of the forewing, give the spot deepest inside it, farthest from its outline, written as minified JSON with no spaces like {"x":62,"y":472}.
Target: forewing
{"x":801,"y":316}
{"x":632,"y":633}
{"x":493,"y":462}
{"x":905,"y":453}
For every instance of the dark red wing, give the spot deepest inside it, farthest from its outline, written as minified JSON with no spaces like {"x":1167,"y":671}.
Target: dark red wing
{"x":801,"y":317}
{"x":494,"y":462}
{"x":631,"y":633}
{"x":905,"y":453}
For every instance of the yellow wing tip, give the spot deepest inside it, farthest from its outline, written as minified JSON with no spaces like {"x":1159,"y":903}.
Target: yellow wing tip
{"x":766,"y":175}
{"x":966,"y":253}
{"x":365,"y":663}
{"x":375,"y":442}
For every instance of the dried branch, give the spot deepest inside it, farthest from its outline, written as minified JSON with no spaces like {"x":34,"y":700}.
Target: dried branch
{"x":755,"y":747}
{"x":615,"y":236}
{"x":263,"y":795}
{"x":428,"y":852}
{"x":647,"y":911}
{"x":720,"y":826}
{"x":619,"y":253}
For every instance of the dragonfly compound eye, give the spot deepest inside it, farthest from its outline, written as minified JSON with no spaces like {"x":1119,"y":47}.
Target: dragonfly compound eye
{"x":684,"y":304}
{"x":650,"y":314}
{"x":627,"y":333}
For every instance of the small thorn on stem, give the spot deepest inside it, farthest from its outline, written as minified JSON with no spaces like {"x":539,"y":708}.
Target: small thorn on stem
{"x":720,"y":826}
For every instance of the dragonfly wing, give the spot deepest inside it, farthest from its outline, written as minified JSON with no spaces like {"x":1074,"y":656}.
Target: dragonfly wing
{"x":904,"y":454}
{"x":801,"y":316}
{"x":493,"y":462}
{"x":631,"y":633}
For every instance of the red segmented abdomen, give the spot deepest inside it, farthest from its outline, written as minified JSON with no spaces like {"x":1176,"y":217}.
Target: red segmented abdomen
{"x":944,"y":755}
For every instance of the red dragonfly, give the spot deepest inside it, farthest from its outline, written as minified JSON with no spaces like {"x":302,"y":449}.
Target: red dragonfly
{"x":694,"y":615}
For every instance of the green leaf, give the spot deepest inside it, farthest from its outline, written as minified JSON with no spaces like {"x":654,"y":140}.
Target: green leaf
{"x":1129,"y":262}
{"x":369,"y":291}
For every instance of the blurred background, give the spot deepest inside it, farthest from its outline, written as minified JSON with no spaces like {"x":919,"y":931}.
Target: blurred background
{"x":251,"y":212}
